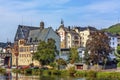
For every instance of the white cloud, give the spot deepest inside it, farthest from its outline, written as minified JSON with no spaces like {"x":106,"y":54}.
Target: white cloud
{"x":31,"y":12}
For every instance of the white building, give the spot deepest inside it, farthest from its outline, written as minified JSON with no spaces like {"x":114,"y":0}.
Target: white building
{"x":113,"y":44}
{"x":81,"y":51}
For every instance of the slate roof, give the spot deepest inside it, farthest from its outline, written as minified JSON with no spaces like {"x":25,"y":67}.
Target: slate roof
{"x":84,"y":28}
{"x":23,"y":32}
{"x":32,"y":34}
{"x":39,"y":34}
{"x":110,"y":34}
{"x":2,"y":44}
{"x":5,"y":45}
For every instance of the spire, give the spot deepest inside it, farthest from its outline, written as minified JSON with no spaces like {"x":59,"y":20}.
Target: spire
{"x":62,"y":22}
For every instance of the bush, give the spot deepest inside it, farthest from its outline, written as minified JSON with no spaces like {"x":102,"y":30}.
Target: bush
{"x":56,"y":72}
{"x":2,"y":70}
{"x":71,"y":70}
{"x":64,"y":73}
{"x":51,"y":72}
{"x":28,"y":71}
{"x":16,"y":70}
{"x":80,"y":74}
{"x":118,"y":64}
{"x":36,"y":71}
{"x":91,"y":73}
{"x":109,"y":75}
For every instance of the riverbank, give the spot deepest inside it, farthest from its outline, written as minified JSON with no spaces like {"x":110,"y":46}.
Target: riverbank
{"x":102,"y":75}
{"x":109,"y":74}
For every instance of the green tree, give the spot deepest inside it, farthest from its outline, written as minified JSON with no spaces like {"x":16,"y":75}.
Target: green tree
{"x":86,"y":58}
{"x":98,"y":47}
{"x":74,"y":55}
{"x":46,"y":52}
{"x":117,"y":54}
{"x":118,"y":49}
{"x":61,"y":62}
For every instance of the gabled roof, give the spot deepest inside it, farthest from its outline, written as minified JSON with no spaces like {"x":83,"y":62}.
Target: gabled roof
{"x":34,"y":34}
{"x":23,"y":32}
{"x":39,"y":34}
{"x":2,"y":44}
{"x":110,"y":34}
{"x":5,"y":45}
{"x":73,"y":32}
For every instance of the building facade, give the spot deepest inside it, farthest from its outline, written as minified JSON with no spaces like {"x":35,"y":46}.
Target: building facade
{"x":84,"y":33}
{"x":62,"y":32}
{"x":118,"y":39}
{"x":28,"y":37}
{"x":68,"y":37}
{"x":6,"y":54}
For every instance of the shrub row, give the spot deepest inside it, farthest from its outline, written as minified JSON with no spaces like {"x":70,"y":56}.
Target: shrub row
{"x":2,"y":70}
{"x":90,"y":74}
{"x":98,"y":75}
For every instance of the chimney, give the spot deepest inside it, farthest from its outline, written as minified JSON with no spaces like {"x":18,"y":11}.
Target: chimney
{"x":69,"y":28}
{"x":41,"y":25}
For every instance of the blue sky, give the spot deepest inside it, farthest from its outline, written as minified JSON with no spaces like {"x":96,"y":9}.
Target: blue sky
{"x":97,"y":13}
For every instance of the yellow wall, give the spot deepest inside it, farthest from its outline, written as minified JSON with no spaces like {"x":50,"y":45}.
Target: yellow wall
{"x":24,"y":57}
{"x":62,"y":35}
{"x":84,"y":37}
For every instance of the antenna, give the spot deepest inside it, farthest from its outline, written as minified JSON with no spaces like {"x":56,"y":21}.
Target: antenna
{"x":22,"y":20}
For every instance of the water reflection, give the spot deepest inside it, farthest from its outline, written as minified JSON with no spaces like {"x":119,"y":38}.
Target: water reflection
{"x":16,"y":76}
{"x":59,"y":78}
{"x":7,"y":76}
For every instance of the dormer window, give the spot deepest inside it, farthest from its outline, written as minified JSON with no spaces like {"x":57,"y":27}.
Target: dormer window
{"x":30,"y":40}
{"x":36,"y":40}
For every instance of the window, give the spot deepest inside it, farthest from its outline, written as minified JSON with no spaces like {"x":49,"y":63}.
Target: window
{"x":113,"y":43}
{"x":76,"y":37}
{"x":30,"y":40}
{"x":21,"y":49}
{"x":113,"y":38}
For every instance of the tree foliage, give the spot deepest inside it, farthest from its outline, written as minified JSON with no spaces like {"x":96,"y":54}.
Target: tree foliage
{"x":74,"y":55}
{"x":98,"y":47}
{"x":61,"y":61}
{"x":117,"y":54}
{"x":118,"y":49}
{"x":46,"y":52}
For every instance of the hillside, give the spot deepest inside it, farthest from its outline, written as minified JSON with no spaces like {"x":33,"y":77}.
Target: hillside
{"x":113,"y":29}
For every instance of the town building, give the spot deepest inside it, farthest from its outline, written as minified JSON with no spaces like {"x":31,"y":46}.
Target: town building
{"x":75,"y":36}
{"x":84,"y":33}
{"x":113,"y":44}
{"x":69,"y":37}
{"x":27,"y":39}
{"x":118,"y":39}
{"x":6,"y":54}
{"x":113,"y":40}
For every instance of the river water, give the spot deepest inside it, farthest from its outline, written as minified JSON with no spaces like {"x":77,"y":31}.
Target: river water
{"x":14,"y":76}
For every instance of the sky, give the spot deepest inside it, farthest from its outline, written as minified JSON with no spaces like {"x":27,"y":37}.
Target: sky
{"x":97,"y":13}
